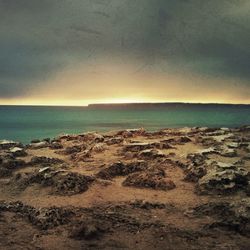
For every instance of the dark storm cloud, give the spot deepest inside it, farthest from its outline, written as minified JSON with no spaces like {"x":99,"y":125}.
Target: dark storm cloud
{"x":38,"y":38}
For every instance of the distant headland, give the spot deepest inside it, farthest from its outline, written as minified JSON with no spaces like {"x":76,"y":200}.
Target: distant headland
{"x":156,"y":105}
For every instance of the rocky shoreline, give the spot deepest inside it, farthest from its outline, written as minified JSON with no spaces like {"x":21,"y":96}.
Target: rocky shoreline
{"x":130,"y":189}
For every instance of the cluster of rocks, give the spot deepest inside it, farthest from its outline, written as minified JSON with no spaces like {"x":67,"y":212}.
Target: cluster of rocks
{"x":154,"y":178}
{"x":195,"y":168}
{"x":62,"y":182}
{"x":224,"y":178}
{"x":213,"y":177}
{"x":8,"y":164}
{"x":147,"y":205}
{"x":233,"y":216}
{"x":43,"y":218}
{"x":122,"y":169}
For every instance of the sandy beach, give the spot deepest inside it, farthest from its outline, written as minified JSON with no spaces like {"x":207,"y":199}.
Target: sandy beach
{"x":182,"y":188}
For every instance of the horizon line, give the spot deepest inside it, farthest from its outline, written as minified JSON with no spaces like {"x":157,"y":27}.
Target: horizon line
{"x":125,"y":103}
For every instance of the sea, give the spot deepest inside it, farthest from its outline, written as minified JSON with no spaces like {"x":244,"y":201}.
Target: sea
{"x":24,"y":123}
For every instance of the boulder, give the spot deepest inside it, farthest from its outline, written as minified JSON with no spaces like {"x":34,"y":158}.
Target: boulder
{"x":87,"y":230}
{"x":139,"y":146}
{"x":18,"y":152}
{"x":99,"y":147}
{"x":152,"y":178}
{"x":56,"y":145}
{"x":232,"y":216}
{"x":43,"y":160}
{"x":223,"y":180}
{"x":8,"y":165}
{"x":73,"y":149}
{"x":5,"y":144}
{"x":151,"y":154}
{"x":114,"y":140}
{"x":131,"y":132}
{"x":38,"y":145}
{"x":121,"y":169}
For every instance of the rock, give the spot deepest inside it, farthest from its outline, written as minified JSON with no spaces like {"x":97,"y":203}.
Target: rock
{"x":139,"y":146}
{"x":87,"y":231}
{"x":43,"y":218}
{"x":46,"y":139}
{"x":38,"y":145}
{"x":18,"y":152}
{"x":183,"y":139}
{"x":228,"y":152}
{"x":197,"y":159}
{"x":194,"y":173}
{"x":147,"y":205}
{"x":114,"y":140}
{"x":220,"y":136}
{"x":210,"y":150}
{"x":42,"y":160}
{"x":223,"y":180}
{"x":8,"y":165}
{"x":35,"y":141}
{"x":232,"y":145}
{"x":152,"y":178}
{"x":122,"y":169}
{"x":71,"y":183}
{"x":56,"y":145}
{"x":5,"y":144}
{"x":151,"y":154}
{"x":99,"y":147}
{"x":61,"y":182}
{"x":92,"y":137}
{"x":74,"y":149}
{"x":83,"y":156}
{"x":233,"y":216}
{"x":131,"y":132}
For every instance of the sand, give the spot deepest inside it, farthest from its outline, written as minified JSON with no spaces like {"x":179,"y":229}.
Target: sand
{"x":128,"y":189}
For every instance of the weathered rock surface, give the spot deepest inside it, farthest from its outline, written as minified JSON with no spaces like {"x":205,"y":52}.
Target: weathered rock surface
{"x":152,"y":178}
{"x":62,"y":182}
{"x":122,"y":169}
{"x":5,"y":144}
{"x":223,"y":180}
{"x":233,"y":216}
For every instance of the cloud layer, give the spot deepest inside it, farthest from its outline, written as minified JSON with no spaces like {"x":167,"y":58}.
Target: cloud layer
{"x":40,"y":40}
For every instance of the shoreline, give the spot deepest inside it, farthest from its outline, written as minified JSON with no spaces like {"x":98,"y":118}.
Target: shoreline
{"x":175,"y":188}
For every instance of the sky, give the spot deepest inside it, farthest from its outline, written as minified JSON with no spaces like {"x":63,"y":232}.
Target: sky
{"x":76,"y":52}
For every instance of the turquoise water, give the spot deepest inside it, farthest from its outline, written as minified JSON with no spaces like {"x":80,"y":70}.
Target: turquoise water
{"x":23,"y":123}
